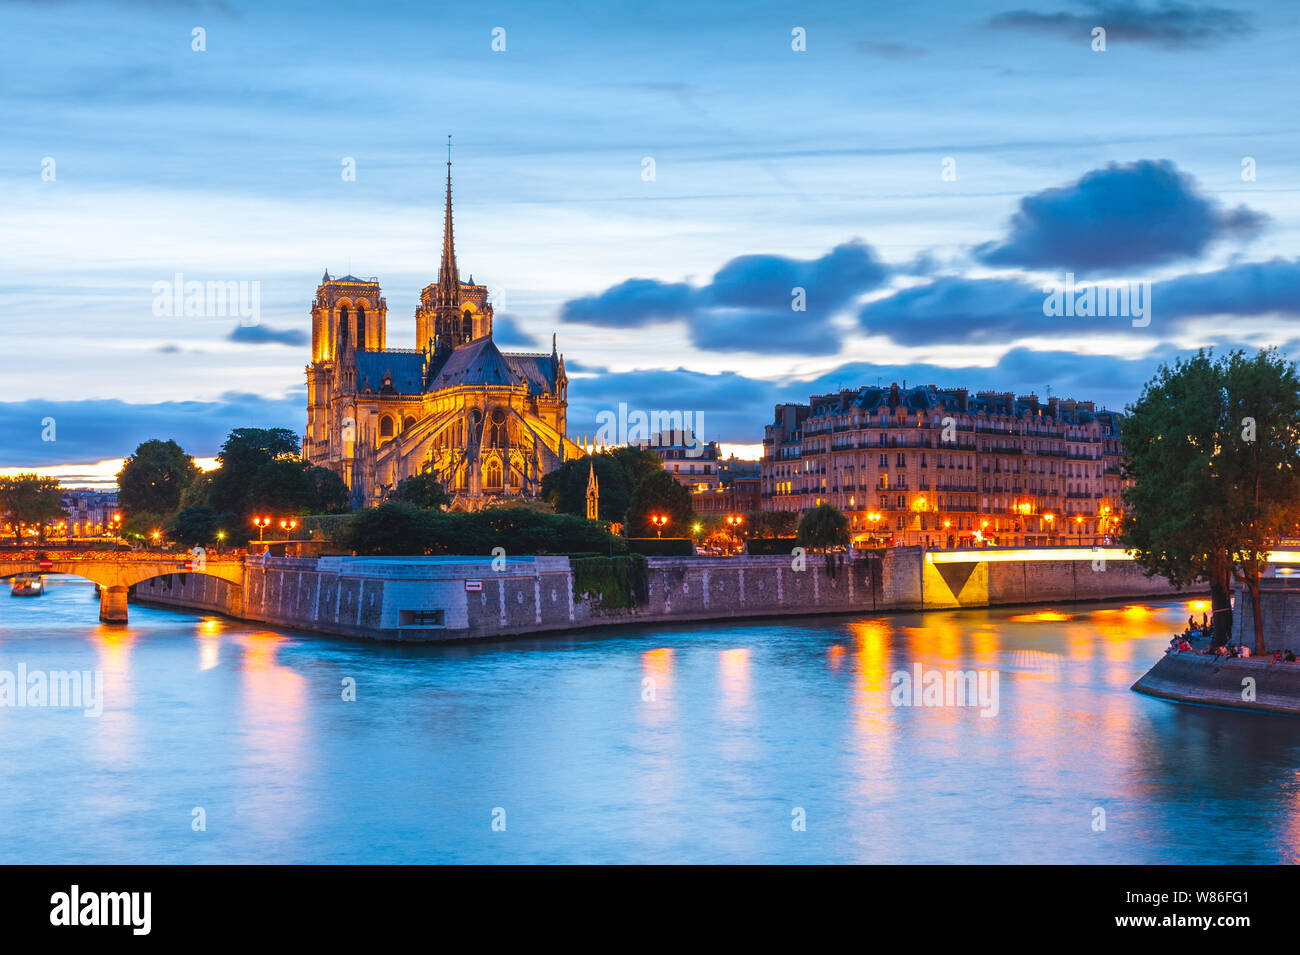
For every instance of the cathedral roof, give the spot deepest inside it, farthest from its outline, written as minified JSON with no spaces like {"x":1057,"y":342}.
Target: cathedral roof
{"x":406,"y":368}
{"x":478,"y":363}
{"x":537,"y":370}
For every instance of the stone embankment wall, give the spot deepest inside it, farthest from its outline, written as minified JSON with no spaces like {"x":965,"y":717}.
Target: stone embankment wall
{"x":1255,"y":684}
{"x":425,"y":599}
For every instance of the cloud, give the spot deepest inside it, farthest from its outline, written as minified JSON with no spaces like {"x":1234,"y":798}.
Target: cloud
{"x":890,"y":51}
{"x":748,"y":304}
{"x":1171,"y":25}
{"x":266,"y":335}
{"x":1121,"y":216}
{"x":509,"y":334}
{"x":92,"y":430}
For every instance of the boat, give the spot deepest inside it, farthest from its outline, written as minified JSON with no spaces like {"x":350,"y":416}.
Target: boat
{"x":27,"y":585}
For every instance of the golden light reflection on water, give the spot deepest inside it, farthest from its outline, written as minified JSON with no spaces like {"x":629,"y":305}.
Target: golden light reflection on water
{"x":656,"y":695}
{"x":733,"y":679}
{"x":1041,"y":616}
{"x":113,"y":728}
{"x":872,"y":711}
{"x":209,"y":633}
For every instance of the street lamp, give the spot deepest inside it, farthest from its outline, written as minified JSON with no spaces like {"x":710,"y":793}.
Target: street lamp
{"x":288,"y":526}
{"x":261,"y":523}
{"x":658,"y":520}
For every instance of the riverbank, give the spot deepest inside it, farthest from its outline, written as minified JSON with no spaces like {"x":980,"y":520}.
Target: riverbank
{"x":433,"y":599}
{"x":1255,"y":684}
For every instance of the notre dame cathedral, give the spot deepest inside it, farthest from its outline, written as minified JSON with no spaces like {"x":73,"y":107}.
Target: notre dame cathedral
{"x":488,"y":424}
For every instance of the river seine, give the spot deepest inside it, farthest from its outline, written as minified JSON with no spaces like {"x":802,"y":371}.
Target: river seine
{"x":785,"y":740}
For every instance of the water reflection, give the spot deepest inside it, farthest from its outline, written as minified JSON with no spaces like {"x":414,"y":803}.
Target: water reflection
{"x":743,"y":722}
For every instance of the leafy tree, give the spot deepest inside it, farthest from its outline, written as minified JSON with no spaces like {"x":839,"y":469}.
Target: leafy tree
{"x":1176,"y":520}
{"x":195,"y":525}
{"x":244,"y":452}
{"x":636,"y":462}
{"x":662,"y":494}
{"x":1214,"y":460}
{"x":331,"y":493}
{"x":772,"y":523}
{"x":282,"y":486}
{"x":566,"y":487}
{"x":154,"y":477}
{"x":391,"y":528}
{"x":1261,"y":462}
{"x":422,"y":490}
{"x":30,"y":499}
{"x":823,"y":528}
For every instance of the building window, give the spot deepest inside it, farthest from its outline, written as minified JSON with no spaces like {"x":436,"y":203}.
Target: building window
{"x":385,"y":427}
{"x":361,"y":327}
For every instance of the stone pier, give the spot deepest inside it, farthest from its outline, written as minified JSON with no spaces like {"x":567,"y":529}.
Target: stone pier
{"x":112,"y":604}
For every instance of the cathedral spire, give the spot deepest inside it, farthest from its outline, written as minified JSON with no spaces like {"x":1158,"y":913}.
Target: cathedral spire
{"x":448,"y":278}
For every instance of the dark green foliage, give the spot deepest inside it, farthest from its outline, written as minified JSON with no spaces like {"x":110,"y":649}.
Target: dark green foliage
{"x":566,"y":487}
{"x":1211,"y":493}
{"x":422,"y":490}
{"x":197,"y":525}
{"x":823,"y":528}
{"x":614,"y":581}
{"x":331,"y":495}
{"x":660,"y":493}
{"x":281,"y":487}
{"x":154,"y":477}
{"x":396,"y":529}
{"x":30,"y":499}
{"x":245,"y":451}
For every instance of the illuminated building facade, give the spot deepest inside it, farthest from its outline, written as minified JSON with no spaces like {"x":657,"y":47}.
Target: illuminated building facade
{"x":944,"y":468}
{"x":487,"y":423}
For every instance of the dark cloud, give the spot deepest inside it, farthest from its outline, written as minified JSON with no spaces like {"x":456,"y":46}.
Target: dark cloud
{"x":1121,"y":216}
{"x":1172,"y":25}
{"x":510,"y":335}
{"x":957,"y":310}
{"x":92,"y":430}
{"x":748,"y":304}
{"x":890,"y":51}
{"x":266,"y":335}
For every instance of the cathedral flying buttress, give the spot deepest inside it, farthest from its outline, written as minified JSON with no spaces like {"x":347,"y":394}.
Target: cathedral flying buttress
{"x":488,"y":424}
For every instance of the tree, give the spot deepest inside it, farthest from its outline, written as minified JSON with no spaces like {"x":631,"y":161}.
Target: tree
{"x":282,"y":486}
{"x":565,"y":488}
{"x":154,"y":477}
{"x":391,"y":528}
{"x":195,"y":525}
{"x":30,"y":499}
{"x":636,"y":462}
{"x":659,"y":493}
{"x":331,"y":493}
{"x":243,"y":453}
{"x":824,"y":528}
{"x":1213,"y":451}
{"x":422,"y":490}
{"x":1176,"y":520}
{"x":1261,"y":462}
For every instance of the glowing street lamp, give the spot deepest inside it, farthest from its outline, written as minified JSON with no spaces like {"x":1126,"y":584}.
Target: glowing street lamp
{"x":261,"y":523}
{"x":658,"y":520}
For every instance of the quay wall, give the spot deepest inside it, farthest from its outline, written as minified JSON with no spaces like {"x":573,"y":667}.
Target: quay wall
{"x":457,"y":598}
{"x":1255,"y":684}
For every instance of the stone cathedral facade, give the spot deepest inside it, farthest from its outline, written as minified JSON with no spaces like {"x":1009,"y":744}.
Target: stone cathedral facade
{"x":488,"y":424}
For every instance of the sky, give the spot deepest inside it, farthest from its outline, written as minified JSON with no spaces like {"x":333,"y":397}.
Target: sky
{"x":714,"y":208}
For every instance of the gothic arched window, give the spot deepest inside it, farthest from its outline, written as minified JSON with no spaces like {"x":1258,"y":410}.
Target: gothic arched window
{"x":494,"y":475}
{"x":497,"y":438}
{"x":467,"y":326}
{"x":407,"y":424}
{"x":343,"y":327}
{"x":385,"y":427}
{"x":361,"y":327}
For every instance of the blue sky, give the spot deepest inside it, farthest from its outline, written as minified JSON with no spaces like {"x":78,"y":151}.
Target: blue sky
{"x":774,"y":168}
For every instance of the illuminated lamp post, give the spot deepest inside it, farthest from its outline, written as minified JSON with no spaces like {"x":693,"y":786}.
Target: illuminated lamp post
{"x":287,"y":526}
{"x":261,"y":523}
{"x":658,"y":520}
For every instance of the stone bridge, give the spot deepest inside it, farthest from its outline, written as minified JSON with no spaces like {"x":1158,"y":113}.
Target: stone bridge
{"x":117,"y":571}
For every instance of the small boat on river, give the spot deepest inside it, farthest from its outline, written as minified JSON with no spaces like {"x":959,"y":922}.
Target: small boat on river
{"x":27,"y":585}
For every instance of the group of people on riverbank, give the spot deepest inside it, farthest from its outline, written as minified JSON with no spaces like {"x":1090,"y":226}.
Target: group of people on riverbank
{"x":1183,"y":643}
